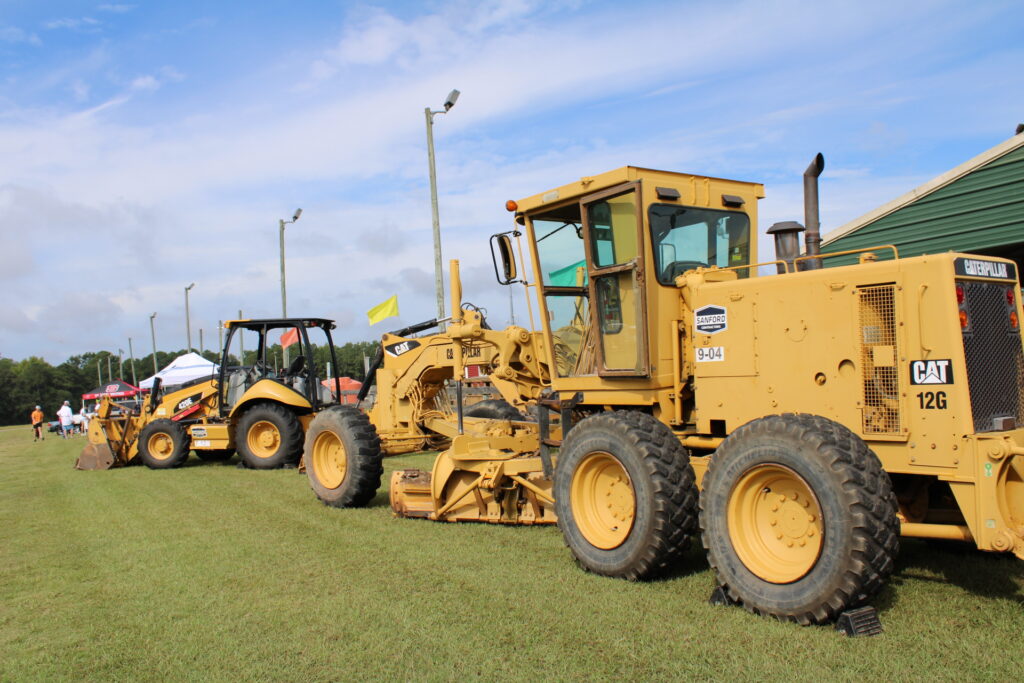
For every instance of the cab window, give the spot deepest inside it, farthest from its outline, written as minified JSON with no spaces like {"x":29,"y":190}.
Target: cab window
{"x":685,"y":238}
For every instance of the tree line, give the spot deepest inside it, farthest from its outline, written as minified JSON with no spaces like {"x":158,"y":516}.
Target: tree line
{"x":33,"y":381}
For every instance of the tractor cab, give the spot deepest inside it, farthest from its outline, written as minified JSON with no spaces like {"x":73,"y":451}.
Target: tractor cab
{"x":290,"y":358}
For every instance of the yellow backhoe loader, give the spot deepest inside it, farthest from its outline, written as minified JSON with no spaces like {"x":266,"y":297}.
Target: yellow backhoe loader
{"x":252,"y":409}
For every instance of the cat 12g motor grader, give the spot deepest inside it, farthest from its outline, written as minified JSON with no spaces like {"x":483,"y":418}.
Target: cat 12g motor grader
{"x":260,"y":413}
{"x":800,"y":421}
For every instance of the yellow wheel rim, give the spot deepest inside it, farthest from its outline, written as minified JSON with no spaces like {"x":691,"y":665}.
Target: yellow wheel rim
{"x":263,"y":439}
{"x":160,"y":445}
{"x":775,"y":523}
{"x":329,"y":460}
{"x":603,"y":501}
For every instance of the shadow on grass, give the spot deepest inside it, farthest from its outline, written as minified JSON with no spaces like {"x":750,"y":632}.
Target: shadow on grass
{"x":988,"y":575}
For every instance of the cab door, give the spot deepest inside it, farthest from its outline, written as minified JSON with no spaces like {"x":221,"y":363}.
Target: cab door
{"x":613,"y":224}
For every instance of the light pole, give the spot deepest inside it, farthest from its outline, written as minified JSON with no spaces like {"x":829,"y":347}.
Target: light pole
{"x":188,"y":320}
{"x":120,"y":364}
{"x":284,"y":297}
{"x":449,"y":102}
{"x":152,"y":332}
{"x":131,"y":355}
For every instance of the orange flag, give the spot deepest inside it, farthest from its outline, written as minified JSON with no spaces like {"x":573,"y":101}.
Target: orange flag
{"x":289,"y":337}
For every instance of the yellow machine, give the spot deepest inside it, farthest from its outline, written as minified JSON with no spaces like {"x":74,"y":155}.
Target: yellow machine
{"x":801,"y":419}
{"x":412,"y":412}
{"x":252,"y":409}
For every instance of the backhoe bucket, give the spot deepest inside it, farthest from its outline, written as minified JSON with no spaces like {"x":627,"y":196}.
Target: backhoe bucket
{"x":95,"y":456}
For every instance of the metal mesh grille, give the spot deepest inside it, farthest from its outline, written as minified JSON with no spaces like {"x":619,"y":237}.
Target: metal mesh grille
{"x":995,"y":360}
{"x":878,"y":359}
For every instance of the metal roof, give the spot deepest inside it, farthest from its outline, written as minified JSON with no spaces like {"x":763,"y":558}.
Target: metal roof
{"x":977,"y":205}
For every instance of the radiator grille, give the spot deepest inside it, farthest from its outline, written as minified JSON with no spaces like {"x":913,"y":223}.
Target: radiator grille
{"x":995,"y":360}
{"x":879,"y":352}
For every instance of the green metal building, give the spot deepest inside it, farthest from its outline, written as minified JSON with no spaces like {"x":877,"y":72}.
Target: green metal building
{"x":977,"y":207}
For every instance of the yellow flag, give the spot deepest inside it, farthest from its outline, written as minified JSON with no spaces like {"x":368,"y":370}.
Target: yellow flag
{"x":383,"y":310}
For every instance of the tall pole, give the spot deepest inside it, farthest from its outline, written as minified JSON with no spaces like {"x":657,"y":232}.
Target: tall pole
{"x":110,"y":370}
{"x":438,"y":276}
{"x":241,"y":342}
{"x":438,"y":272}
{"x":220,"y":334}
{"x":131,"y":355}
{"x":120,"y":364}
{"x":152,"y":332}
{"x":188,"y":320}
{"x":201,"y":349}
{"x":284,"y":296}
{"x":99,"y":372}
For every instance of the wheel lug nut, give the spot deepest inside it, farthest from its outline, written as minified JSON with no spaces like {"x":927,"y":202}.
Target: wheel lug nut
{"x":782,"y":498}
{"x":774,"y":522}
{"x":775,"y":508}
{"x":778,"y":536}
{"x":807,"y":503}
{"x":803,"y":542}
{"x":789,"y":544}
{"x":810,"y":532}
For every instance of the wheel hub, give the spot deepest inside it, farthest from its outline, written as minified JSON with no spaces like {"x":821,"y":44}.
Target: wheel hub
{"x":264,"y":439}
{"x":775,"y":523}
{"x":603,"y":500}
{"x":161,"y":446}
{"x":330,"y":461}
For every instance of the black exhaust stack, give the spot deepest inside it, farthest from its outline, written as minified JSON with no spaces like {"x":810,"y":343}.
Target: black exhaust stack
{"x":812,"y":238}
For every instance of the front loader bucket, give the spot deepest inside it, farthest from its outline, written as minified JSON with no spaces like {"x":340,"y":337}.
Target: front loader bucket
{"x":95,"y":456}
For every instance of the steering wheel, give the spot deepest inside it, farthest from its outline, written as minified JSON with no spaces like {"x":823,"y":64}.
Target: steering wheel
{"x":258,"y":370}
{"x":296,"y":365}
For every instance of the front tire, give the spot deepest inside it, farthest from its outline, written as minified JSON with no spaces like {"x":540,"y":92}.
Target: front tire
{"x":343,"y":458}
{"x":269,"y":436}
{"x":799,"y":519}
{"x":625,"y":495}
{"x":163,"y":444}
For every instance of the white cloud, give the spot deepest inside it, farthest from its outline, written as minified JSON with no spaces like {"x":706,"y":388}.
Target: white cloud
{"x":74,"y":24}
{"x":115,"y":9}
{"x":13,"y":34}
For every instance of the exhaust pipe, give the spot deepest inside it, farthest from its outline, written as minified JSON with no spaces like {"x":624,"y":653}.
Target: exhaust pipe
{"x":787,"y":244}
{"x":812,"y":238}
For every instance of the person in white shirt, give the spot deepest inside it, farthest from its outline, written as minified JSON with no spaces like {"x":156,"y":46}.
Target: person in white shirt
{"x":66,"y":423}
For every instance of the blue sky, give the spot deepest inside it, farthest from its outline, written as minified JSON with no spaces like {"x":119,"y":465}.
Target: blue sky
{"x":148,"y":145}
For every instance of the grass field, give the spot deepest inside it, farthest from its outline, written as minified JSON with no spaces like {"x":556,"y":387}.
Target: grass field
{"x":211,"y":572}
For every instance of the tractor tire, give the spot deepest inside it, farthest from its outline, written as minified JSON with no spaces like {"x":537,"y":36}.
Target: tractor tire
{"x":798,"y":518}
{"x":343,"y":458}
{"x":216,"y":455}
{"x":625,"y":495}
{"x":493,"y":409}
{"x":163,"y":444}
{"x":269,"y":436}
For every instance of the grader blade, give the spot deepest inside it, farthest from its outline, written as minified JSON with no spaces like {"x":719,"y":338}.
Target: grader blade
{"x":95,"y":456}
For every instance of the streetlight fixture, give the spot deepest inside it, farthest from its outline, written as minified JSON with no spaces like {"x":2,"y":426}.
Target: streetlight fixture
{"x":449,"y":102}
{"x":188,"y":320}
{"x":284,"y":297}
{"x":152,"y":332}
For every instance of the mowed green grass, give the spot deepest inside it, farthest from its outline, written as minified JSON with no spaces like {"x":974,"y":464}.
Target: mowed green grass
{"x":211,"y":572}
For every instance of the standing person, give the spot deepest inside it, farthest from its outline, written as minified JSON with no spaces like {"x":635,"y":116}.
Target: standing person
{"x":85,"y":420}
{"x":64,"y":415}
{"x":37,"y":423}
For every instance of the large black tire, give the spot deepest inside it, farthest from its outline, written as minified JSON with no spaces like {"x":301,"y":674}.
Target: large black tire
{"x":268,"y":436}
{"x":613,"y":461}
{"x":163,"y":444}
{"x":216,"y":455}
{"x":343,"y":457}
{"x":493,"y":409}
{"x":798,"y":518}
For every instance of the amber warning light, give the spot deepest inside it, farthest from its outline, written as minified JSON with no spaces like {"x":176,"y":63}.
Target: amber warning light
{"x":511,"y":205}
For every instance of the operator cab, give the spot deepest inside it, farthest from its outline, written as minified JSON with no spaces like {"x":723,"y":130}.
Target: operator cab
{"x":605,"y":247}
{"x":296,"y":353}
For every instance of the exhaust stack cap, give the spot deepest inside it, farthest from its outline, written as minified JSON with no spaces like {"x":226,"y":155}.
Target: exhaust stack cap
{"x":787,"y":243}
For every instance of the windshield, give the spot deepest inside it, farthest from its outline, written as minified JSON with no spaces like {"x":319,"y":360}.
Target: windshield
{"x":560,"y":247}
{"x":685,"y":238}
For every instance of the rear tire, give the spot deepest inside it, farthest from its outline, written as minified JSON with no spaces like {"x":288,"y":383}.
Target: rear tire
{"x":493,"y":409}
{"x":163,"y":444}
{"x":269,"y":436}
{"x":343,"y":458}
{"x":216,"y":455}
{"x":625,"y":495}
{"x":799,"y":518}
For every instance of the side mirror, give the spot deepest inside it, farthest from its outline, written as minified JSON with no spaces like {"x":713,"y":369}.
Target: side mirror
{"x":501,"y":247}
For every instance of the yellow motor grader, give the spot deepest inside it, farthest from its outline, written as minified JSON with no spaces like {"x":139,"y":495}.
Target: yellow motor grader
{"x":251,"y":409}
{"x":800,"y":414}
{"x":413,"y":411}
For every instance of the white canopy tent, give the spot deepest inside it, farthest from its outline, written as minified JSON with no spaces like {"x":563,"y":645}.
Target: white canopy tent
{"x":184,"y":368}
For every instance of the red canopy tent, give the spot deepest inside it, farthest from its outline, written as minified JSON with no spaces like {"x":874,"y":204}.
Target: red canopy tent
{"x":115,"y":389}
{"x":347,"y":384}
